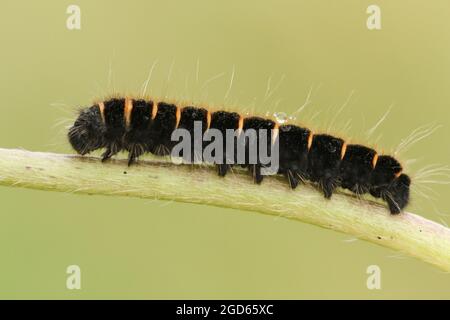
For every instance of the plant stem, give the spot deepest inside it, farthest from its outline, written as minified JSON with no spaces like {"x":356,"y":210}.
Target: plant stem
{"x":367,"y":220}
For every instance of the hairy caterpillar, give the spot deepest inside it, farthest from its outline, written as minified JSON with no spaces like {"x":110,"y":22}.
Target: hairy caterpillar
{"x":139,"y":126}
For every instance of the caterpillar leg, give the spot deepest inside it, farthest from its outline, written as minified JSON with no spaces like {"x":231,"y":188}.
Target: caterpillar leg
{"x":328,"y":186}
{"x":111,"y":150}
{"x":109,"y":153}
{"x":293,"y":179}
{"x":394,"y":207}
{"x":222,"y":169}
{"x":255,"y":170}
{"x":134,"y":152}
{"x":132,"y":158}
{"x":106,"y":155}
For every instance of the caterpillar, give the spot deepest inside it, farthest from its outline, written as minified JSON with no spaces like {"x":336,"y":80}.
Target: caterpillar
{"x":140,"y":126}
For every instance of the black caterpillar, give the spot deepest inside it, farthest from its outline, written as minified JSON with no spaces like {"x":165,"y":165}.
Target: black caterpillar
{"x":140,"y":126}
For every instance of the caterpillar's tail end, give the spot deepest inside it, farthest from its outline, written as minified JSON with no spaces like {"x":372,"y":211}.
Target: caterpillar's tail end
{"x":398,"y":194}
{"x":86,"y":133}
{"x":77,"y":140}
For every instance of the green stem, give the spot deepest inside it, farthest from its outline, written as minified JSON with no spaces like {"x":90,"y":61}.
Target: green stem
{"x":407,"y":232}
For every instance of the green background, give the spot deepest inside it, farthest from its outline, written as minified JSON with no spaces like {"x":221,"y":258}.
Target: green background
{"x":133,"y":248}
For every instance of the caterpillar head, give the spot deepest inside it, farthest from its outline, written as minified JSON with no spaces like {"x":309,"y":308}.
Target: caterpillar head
{"x":389,"y":183}
{"x":87,"y":132}
{"x":399,"y":193}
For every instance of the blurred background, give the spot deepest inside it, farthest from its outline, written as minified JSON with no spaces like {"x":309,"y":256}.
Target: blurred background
{"x":277,"y":54}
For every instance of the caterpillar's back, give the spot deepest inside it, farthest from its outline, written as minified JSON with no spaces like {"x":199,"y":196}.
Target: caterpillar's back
{"x":139,"y":126}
